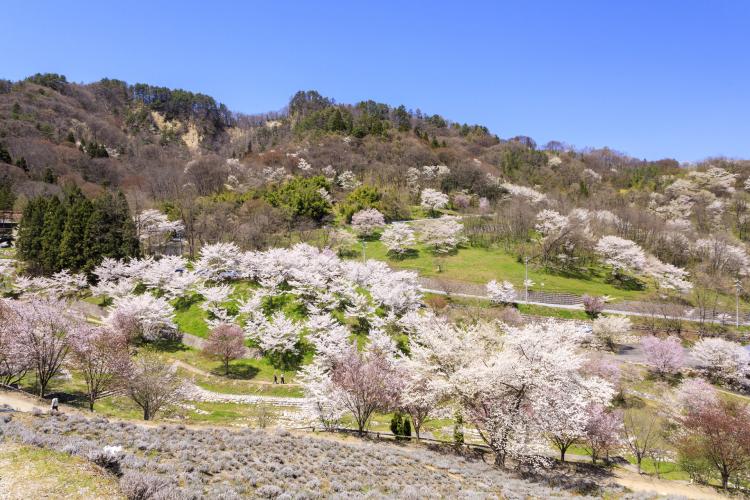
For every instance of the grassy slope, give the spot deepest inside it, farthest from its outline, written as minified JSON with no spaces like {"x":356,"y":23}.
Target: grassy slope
{"x":30,"y":472}
{"x":478,"y":265}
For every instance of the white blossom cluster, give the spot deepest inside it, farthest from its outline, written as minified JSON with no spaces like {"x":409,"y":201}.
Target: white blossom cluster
{"x":417,"y":177}
{"x":153,"y":224}
{"x":348,"y":181}
{"x":432,"y":199}
{"x":524,"y":192}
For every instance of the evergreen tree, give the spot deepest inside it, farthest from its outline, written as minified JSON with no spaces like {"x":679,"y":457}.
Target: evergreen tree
{"x":407,"y":427}
{"x":99,"y":236}
{"x":29,"y":243}
{"x":397,"y":424}
{"x":7,"y":196}
{"x":51,"y":235}
{"x":72,"y":245}
{"x":402,"y":119}
{"x":128,"y":243}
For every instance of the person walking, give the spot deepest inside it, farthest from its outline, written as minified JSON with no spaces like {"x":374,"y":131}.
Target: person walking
{"x":275,"y":379}
{"x":282,"y":379}
{"x":55,"y":408}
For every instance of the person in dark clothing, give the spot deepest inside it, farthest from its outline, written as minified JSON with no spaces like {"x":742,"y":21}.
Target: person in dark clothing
{"x":282,"y":379}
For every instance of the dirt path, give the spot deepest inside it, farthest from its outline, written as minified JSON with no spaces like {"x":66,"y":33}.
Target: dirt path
{"x":641,"y":483}
{"x":198,"y":371}
{"x":22,"y":402}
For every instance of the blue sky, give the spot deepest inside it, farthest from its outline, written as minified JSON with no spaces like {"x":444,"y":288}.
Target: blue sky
{"x":651,"y":78}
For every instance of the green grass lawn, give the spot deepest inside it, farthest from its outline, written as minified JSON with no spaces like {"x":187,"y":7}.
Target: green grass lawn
{"x":192,"y":320}
{"x":479,"y":265}
{"x":31,"y":472}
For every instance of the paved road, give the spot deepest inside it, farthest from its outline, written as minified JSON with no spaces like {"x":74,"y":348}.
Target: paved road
{"x":576,"y":307}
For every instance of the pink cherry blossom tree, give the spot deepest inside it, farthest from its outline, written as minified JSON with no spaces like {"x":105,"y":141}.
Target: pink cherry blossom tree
{"x":367,"y":221}
{"x":366,"y":383}
{"x":101,"y":356}
{"x":41,"y":328}
{"x":226,"y":342}
{"x":153,"y":384}
{"x":602,"y":431}
{"x":664,"y":356}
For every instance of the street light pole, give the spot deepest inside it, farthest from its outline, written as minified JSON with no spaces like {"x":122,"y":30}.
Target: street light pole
{"x":737,"y":287}
{"x":526,"y":277}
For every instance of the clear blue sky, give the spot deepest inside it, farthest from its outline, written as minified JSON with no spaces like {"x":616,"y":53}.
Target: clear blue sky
{"x":651,"y":78}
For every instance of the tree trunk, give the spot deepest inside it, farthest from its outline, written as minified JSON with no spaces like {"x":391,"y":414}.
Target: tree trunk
{"x":146,"y":413}
{"x":562,"y":453}
{"x":91,"y":404}
{"x":226,"y":367}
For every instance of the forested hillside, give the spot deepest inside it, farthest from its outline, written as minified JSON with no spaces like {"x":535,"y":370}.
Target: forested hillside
{"x":271,"y":179}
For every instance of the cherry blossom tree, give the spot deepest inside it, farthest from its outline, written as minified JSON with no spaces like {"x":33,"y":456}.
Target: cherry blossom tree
{"x":150,"y":317}
{"x":524,"y":192}
{"x":593,"y":305}
{"x":153,"y":384}
{"x":693,"y":395}
{"x":621,"y":254}
{"x":501,"y":293}
{"x":154,"y":227}
{"x":367,"y":221}
{"x":722,"y":360}
{"x":101,"y":356}
{"x":225,"y":342}
{"x":329,"y":337}
{"x":219,"y":261}
{"x":519,"y":393}
{"x":420,"y":394}
{"x":40,"y":330}
{"x":277,"y":337}
{"x":433,"y":200}
{"x":611,"y":330}
{"x":14,"y":363}
{"x":348,"y":181}
{"x":366,"y":384}
{"x":442,"y":235}
{"x":668,"y":277}
{"x":323,"y":401}
{"x":717,"y":435}
{"x":398,"y":238}
{"x":602,"y":431}
{"x":664,"y":356}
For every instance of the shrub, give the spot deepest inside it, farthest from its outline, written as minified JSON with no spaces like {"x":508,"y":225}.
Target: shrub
{"x":140,"y":486}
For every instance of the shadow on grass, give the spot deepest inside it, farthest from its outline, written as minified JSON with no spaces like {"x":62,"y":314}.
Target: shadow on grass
{"x":411,"y":253}
{"x":167,"y":345}
{"x":237,"y":371}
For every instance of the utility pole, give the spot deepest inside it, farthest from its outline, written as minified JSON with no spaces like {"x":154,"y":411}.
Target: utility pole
{"x":737,"y":287}
{"x":526,"y":276}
